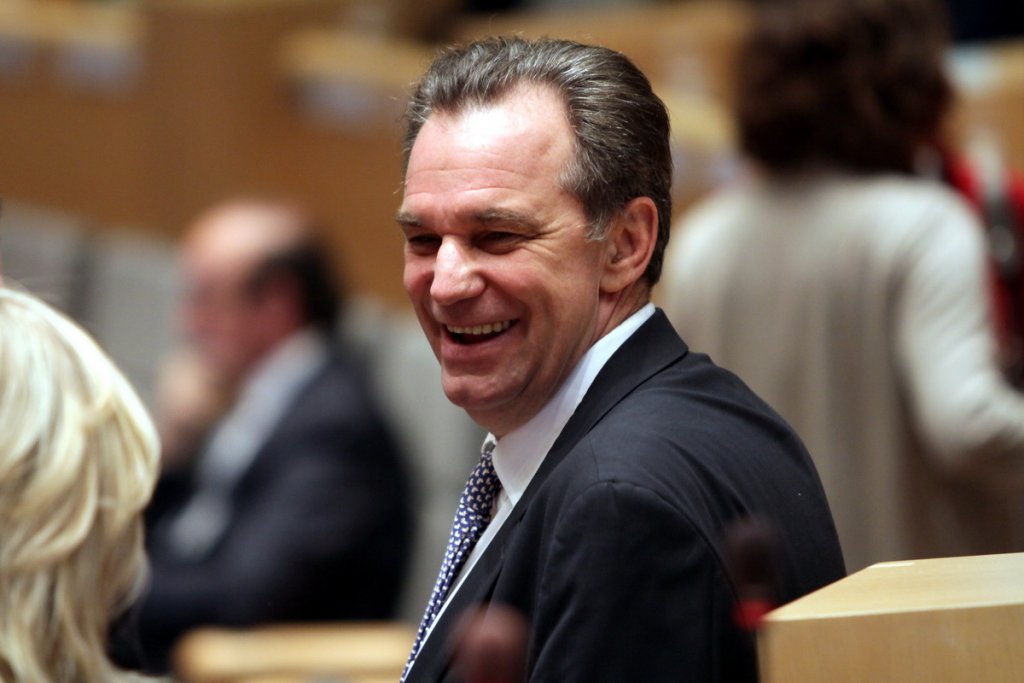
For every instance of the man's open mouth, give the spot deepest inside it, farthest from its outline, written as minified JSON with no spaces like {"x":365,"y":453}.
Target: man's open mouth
{"x":477,"y":333}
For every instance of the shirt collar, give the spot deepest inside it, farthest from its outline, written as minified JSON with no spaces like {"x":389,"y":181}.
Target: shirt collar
{"x":518,"y":454}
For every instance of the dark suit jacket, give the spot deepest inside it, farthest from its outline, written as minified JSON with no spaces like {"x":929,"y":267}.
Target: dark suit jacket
{"x":319,"y":529}
{"x":615,"y":551}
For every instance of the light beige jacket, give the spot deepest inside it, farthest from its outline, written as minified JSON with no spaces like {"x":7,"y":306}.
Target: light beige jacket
{"x":858,"y":309}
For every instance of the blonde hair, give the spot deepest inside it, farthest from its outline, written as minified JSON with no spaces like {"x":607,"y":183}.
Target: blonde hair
{"x":78,"y":461}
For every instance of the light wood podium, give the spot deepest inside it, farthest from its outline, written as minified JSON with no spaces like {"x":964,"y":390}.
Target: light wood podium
{"x":943,"y":620}
{"x":367,"y":652}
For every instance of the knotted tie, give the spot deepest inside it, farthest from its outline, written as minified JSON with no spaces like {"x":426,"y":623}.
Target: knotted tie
{"x":471,"y":519}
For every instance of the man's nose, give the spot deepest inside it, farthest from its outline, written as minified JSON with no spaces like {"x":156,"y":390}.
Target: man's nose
{"x":456,"y":274}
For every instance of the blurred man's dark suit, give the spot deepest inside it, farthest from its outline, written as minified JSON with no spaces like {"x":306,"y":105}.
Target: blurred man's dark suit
{"x":318,"y":526}
{"x":614,"y":554}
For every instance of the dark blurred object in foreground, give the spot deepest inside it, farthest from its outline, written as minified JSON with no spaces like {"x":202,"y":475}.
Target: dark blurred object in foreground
{"x":981,"y":20}
{"x":752,"y":557}
{"x":491,"y":645}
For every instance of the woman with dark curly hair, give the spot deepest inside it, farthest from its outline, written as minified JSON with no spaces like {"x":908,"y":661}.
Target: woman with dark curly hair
{"x":850,"y":293}
{"x":857,"y":84}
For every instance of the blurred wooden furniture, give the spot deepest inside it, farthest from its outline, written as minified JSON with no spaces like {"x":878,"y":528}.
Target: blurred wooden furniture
{"x":72,"y":118}
{"x":338,"y":145}
{"x":349,"y":653}
{"x":687,"y":45}
{"x":958,"y":619}
{"x":143,"y":113}
{"x":990,"y":96}
{"x":685,"y":48}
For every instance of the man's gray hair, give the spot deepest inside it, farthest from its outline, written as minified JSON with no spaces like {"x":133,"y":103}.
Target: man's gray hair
{"x":621,"y":127}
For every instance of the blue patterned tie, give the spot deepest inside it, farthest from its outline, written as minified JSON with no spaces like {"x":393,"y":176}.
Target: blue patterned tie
{"x":471,"y":519}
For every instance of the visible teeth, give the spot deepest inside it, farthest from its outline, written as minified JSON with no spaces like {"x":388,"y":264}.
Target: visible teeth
{"x":480,"y":329}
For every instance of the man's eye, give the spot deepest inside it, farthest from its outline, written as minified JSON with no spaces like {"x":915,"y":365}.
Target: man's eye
{"x":423,"y":243}
{"x":500,"y":238}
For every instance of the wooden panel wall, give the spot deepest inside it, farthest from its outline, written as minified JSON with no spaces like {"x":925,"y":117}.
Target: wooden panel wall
{"x":142,"y":114}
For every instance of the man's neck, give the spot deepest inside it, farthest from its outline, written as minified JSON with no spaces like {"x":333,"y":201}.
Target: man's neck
{"x":620,"y":306}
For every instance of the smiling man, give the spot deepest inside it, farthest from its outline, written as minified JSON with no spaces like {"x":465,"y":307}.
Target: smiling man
{"x":536,"y":211}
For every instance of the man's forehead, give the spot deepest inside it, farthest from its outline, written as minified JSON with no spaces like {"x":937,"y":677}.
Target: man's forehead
{"x":520,"y":133}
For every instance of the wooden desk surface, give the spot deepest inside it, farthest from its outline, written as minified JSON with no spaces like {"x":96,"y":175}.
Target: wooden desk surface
{"x":362,"y":652}
{"x":947,"y":583}
{"x":949,"y":620}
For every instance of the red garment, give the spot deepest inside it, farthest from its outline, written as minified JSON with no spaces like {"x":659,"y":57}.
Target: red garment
{"x":1007,"y":288}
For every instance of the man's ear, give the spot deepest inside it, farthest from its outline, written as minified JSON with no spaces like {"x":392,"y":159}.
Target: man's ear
{"x":630,"y":243}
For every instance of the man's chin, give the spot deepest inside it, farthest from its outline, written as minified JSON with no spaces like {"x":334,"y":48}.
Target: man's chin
{"x":469,"y":395}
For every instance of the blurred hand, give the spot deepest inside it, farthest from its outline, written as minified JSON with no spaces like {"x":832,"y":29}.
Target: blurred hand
{"x":490,"y":645}
{"x":190,"y":398}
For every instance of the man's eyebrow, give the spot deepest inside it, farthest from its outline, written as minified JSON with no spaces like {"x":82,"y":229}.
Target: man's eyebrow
{"x":407,"y":220}
{"x":485,"y":217}
{"x":506,"y":217}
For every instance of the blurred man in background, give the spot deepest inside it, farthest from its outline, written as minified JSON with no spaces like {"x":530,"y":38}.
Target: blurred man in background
{"x":283,"y":496}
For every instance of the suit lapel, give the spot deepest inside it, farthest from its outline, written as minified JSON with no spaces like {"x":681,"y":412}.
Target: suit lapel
{"x":649,"y":350}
